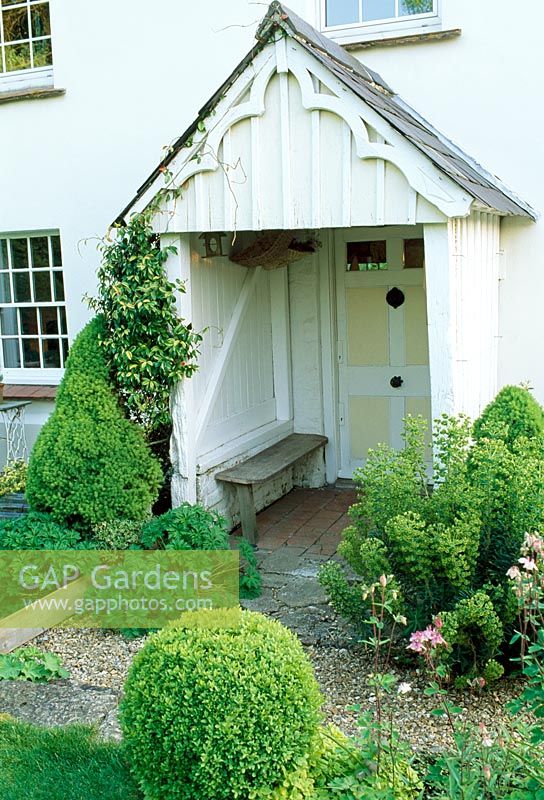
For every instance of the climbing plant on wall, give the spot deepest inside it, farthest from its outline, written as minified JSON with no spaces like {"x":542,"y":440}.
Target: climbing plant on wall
{"x":148,"y":347}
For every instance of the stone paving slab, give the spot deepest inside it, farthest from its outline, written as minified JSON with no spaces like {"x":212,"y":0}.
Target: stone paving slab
{"x":61,"y":703}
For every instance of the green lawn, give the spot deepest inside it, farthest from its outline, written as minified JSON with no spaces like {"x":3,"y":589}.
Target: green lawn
{"x":61,"y":764}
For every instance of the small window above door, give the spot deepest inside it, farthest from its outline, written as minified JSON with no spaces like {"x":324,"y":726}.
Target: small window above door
{"x":366,"y":256}
{"x":414,"y":254}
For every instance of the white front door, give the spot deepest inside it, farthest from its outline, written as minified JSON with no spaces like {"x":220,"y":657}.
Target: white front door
{"x":383,"y":351}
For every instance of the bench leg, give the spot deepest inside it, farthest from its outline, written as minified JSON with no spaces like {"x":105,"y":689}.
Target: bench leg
{"x":248,"y":516}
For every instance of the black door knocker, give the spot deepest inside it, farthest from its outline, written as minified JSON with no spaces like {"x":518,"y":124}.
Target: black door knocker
{"x":395,"y":297}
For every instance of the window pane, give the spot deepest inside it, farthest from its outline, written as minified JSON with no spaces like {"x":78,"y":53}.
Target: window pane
{"x":40,"y":20}
{"x":12,"y":359}
{"x":63,"y":326}
{"x":40,"y":252}
{"x":17,"y":57}
{"x":49,"y":320}
{"x":29,"y":321}
{"x":8,"y":321}
{"x":31,"y":353}
{"x":366,"y":256}
{"x":19,"y":253}
{"x":5,"y":288}
{"x":57,"y":255}
{"x":15,"y":24}
{"x":42,"y":287}
{"x":3,"y":253}
{"x":341,"y":12}
{"x":21,"y":287}
{"x":378,"y":9}
{"x":407,"y":7}
{"x":59,"y":286}
{"x":43,"y":57}
{"x":51,"y":353}
{"x":64,"y":350}
{"x":414,"y":254}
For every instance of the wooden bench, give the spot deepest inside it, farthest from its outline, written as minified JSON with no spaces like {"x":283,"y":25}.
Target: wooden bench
{"x":263,"y":467}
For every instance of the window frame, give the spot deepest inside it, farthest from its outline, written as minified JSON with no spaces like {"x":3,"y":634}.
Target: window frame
{"x":31,"y":77}
{"x":380,"y":28}
{"x":34,"y":375}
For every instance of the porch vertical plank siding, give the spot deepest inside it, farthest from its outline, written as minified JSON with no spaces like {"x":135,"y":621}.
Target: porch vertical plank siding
{"x":183,"y":440}
{"x":301,"y":158}
{"x":270,"y":160}
{"x":255,"y":177}
{"x":316,"y":169}
{"x":235,"y":381}
{"x":475,"y":253}
{"x":441,"y":310}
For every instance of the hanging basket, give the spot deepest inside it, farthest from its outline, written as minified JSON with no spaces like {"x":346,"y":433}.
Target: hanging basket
{"x":274,"y":249}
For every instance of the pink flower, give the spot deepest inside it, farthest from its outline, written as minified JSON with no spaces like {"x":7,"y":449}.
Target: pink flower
{"x":383,"y":581}
{"x":514,"y":573}
{"x":534,"y":542}
{"x":527,"y":563}
{"x":438,"y":622}
{"x":424,"y":641}
{"x":487,"y":772}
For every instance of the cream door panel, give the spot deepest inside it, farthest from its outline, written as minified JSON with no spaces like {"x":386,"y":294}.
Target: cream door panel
{"x":368,"y":326}
{"x":373,"y":423}
{"x":415,"y":320}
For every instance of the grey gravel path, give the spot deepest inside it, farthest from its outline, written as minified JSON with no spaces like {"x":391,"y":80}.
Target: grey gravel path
{"x":99,"y":660}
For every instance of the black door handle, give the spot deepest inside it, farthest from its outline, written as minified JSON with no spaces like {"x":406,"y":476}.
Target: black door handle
{"x":396,"y":381}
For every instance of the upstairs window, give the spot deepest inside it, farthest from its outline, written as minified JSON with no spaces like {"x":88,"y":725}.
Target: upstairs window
{"x":345,"y":14}
{"x":25,"y":42}
{"x":33,"y":332}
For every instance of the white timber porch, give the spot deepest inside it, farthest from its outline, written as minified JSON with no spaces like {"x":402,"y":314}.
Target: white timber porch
{"x":302,"y":138}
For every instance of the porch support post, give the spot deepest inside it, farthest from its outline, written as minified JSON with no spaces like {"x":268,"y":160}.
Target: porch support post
{"x":182,"y":405}
{"x":327,"y":299}
{"x":281,"y":343}
{"x":441,"y":307}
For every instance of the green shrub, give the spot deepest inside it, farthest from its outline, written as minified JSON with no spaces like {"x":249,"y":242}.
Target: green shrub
{"x":187,"y":527}
{"x":516,"y":411}
{"x":250,"y":577}
{"x":31,"y":664}
{"x":448,"y":546}
{"x":218,"y":706}
{"x":192,"y":527}
{"x":90,"y":464}
{"x":35,"y":531}
{"x":473,"y":632}
{"x":119,"y":534}
{"x":13,"y":477}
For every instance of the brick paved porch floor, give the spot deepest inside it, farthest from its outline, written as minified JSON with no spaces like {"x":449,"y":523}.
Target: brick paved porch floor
{"x":296,"y":535}
{"x":309,"y":519}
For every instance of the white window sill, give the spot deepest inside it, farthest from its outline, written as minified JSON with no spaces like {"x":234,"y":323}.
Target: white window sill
{"x":408,"y":39}
{"x":353,"y":34}
{"x":15,"y":96}
{"x":33,"y":377}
